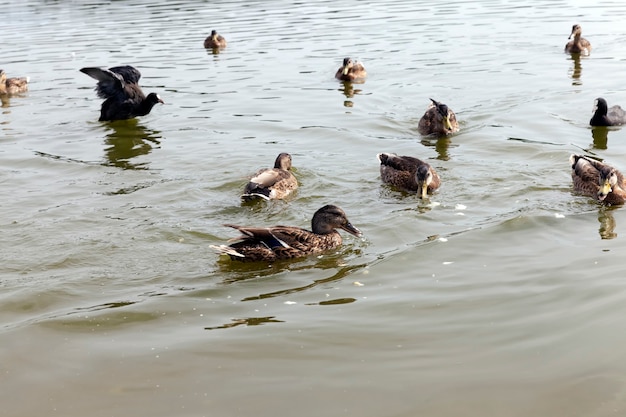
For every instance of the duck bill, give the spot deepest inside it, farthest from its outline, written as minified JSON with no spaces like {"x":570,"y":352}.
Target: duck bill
{"x":604,"y":190}
{"x":423,"y":191}
{"x":352,"y":230}
{"x":446,"y":123}
{"x":346,"y":69}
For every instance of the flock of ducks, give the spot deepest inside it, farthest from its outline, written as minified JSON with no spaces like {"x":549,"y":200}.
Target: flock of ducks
{"x":124,"y":99}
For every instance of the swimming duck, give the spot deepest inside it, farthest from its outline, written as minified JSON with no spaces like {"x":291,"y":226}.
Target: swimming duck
{"x":269,"y":183}
{"x":438,"y":119}
{"x":215,"y":41}
{"x":603,"y":116}
{"x":598,"y":180}
{"x":578,"y":45}
{"x":286,"y":242}
{"x":120,"y":89}
{"x":408,"y":173}
{"x":351,"y":70}
{"x":14,"y":85}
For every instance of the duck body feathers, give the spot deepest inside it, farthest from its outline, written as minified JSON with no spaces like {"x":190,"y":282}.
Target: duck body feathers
{"x":438,"y":119}
{"x":408,"y":174}
{"x":598,"y":180}
{"x":287,"y":242}
{"x":123,"y":98}
{"x":351,"y":70}
{"x":272,"y":183}
{"x":605,"y":116}
{"x":14,"y":85}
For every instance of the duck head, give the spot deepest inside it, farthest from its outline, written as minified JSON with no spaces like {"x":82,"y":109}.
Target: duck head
{"x":607,"y":180}
{"x":348,"y":63}
{"x":444,"y":112}
{"x":423,"y":177}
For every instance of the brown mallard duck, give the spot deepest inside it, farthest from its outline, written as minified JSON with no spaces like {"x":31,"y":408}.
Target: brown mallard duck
{"x":215,"y":41}
{"x":286,"y":242}
{"x":438,"y":119}
{"x":270,"y":183}
{"x":605,"y":116}
{"x":120,"y":89}
{"x":598,"y":180}
{"x":578,"y":45}
{"x":15,"y":85}
{"x":408,"y":173}
{"x":351,"y":70}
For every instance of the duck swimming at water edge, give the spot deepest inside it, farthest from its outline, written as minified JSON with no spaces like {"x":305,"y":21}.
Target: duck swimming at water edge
{"x":286,"y":242}
{"x":598,"y":180}
{"x":351,"y":70}
{"x":14,"y":85}
{"x":215,"y":41}
{"x":408,"y":173}
{"x":272,"y":183}
{"x":438,"y":119}
{"x":578,"y":45}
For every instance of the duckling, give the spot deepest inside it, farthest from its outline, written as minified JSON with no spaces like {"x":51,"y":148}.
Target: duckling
{"x":215,"y":41}
{"x":14,"y":85}
{"x":578,"y":45}
{"x":438,"y":119}
{"x":408,"y":174}
{"x":269,"y":183}
{"x":598,"y":180}
{"x":351,"y":70}
{"x":603,"y":116}
{"x":120,"y":89}
{"x":286,"y":242}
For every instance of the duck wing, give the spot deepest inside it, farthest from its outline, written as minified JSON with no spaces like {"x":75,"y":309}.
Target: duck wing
{"x":110,"y":84}
{"x":428,"y":122}
{"x":585,"y":174}
{"x":130,"y":74}
{"x":270,"y":183}
{"x":284,"y":241}
{"x":400,"y":163}
{"x":617,"y":115}
{"x":399,"y":171}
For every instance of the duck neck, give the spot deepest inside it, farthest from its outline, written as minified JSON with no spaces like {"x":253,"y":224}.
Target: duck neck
{"x":144,"y":107}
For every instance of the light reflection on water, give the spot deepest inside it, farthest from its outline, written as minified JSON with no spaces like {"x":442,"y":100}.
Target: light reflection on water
{"x":502,"y":294}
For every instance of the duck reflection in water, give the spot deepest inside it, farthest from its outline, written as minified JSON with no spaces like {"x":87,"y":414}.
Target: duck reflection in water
{"x":348,"y":90}
{"x":600,"y":135}
{"x":577,"y":70}
{"x":607,"y":222}
{"x":129,"y":139}
{"x":441,"y":145}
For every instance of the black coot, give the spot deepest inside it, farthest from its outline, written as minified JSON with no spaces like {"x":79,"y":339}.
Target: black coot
{"x":120,"y":89}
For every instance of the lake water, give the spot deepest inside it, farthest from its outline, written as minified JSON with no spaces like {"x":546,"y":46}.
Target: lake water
{"x":502,"y":295}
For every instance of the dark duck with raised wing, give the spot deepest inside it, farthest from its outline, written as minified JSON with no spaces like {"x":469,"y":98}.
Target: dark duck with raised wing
{"x":120,"y":89}
{"x":408,"y":174}
{"x":438,"y":119}
{"x":578,"y":45}
{"x":14,"y":85}
{"x":272,"y":183}
{"x":605,"y":116}
{"x":351,"y":70}
{"x":286,"y":242}
{"x":598,"y":180}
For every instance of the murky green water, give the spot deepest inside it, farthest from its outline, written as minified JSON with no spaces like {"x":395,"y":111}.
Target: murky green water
{"x":503,"y":295}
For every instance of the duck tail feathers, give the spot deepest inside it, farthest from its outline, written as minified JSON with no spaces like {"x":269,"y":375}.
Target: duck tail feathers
{"x":226,"y":250}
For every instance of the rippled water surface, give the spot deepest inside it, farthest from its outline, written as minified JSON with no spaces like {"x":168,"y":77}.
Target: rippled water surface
{"x":502,"y":295}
